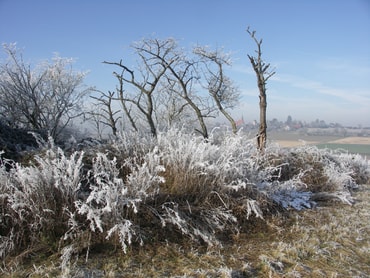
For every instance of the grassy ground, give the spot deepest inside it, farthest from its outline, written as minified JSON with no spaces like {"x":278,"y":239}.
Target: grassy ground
{"x":296,"y":136}
{"x":358,"y":145}
{"x":351,"y":148}
{"x":329,"y":241}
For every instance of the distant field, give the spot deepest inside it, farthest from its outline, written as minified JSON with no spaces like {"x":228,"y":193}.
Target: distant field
{"x":296,"y":136}
{"x":360,"y":145}
{"x":351,"y":148}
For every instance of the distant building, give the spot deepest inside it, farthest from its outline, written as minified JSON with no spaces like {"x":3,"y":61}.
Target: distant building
{"x":240,"y":122}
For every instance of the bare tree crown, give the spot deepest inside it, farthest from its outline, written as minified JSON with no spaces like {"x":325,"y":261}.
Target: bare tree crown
{"x":44,"y":98}
{"x":164,"y":88}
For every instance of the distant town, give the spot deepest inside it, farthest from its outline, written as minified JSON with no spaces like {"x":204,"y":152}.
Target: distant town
{"x":317,"y":127}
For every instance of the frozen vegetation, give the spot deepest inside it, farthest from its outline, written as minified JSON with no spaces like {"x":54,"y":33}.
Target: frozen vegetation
{"x":138,"y":190}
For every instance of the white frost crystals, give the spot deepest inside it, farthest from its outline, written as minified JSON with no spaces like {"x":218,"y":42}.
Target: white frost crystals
{"x":175,"y":185}
{"x":111,"y":198}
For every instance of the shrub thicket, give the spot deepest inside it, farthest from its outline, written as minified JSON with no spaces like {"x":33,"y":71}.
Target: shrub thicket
{"x":137,"y":189}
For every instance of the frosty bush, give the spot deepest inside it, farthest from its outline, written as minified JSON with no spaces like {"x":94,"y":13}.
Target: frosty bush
{"x":353,"y":165}
{"x":207,"y":183}
{"x":175,"y":186}
{"x":308,"y":174}
{"x":113,"y":200}
{"x":195,"y":165}
{"x":33,"y":199}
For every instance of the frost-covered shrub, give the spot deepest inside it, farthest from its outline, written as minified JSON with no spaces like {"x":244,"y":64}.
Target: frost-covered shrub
{"x":113,"y":201}
{"x":33,"y":199}
{"x":198,"y":223}
{"x":194,"y":165}
{"x":354,"y":165}
{"x":206,"y":182}
{"x":139,"y":188}
{"x":190,"y":163}
{"x":306,"y":162}
{"x":307,"y":174}
{"x":132,"y":144}
{"x":344,"y":173}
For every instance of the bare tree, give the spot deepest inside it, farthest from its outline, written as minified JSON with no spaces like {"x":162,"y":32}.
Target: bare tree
{"x":219,"y":86}
{"x":107,"y":113}
{"x":182,"y":79}
{"x":150,"y":75}
{"x":45,"y":98}
{"x":263,"y":73}
{"x":95,"y":117}
{"x":171,"y":109}
{"x":164,"y":88}
{"x":126,"y":106}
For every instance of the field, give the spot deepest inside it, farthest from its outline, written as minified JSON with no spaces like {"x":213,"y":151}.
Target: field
{"x":360,"y":145}
{"x":351,"y":148}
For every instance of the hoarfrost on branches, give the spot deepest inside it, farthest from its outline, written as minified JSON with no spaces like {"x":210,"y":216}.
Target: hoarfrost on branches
{"x":124,"y":232}
{"x":179,"y":181}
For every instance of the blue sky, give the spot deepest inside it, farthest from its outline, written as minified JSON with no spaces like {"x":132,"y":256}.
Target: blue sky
{"x":320,"y":49}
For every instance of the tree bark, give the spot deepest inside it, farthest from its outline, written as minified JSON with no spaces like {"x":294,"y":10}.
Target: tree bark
{"x":263,"y":74}
{"x":262,"y":132}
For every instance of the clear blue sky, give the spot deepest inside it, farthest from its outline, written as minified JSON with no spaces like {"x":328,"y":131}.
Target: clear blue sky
{"x":319,"y":48}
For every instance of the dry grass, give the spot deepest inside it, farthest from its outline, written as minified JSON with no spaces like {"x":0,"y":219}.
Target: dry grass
{"x":329,"y":241}
{"x":209,"y":211}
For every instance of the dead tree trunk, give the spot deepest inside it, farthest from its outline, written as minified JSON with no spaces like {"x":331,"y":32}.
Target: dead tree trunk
{"x":263,"y":73}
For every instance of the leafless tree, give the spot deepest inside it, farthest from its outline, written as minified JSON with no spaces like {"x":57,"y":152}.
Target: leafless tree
{"x":149,"y":76}
{"x":220,"y":87}
{"x":45,"y":98}
{"x":182,"y":78}
{"x":263,"y":73}
{"x":171,"y":109}
{"x":107,"y":113}
{"x":96,"y":118}
{"x":126,"y":106}
{"x":166,"y":86}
